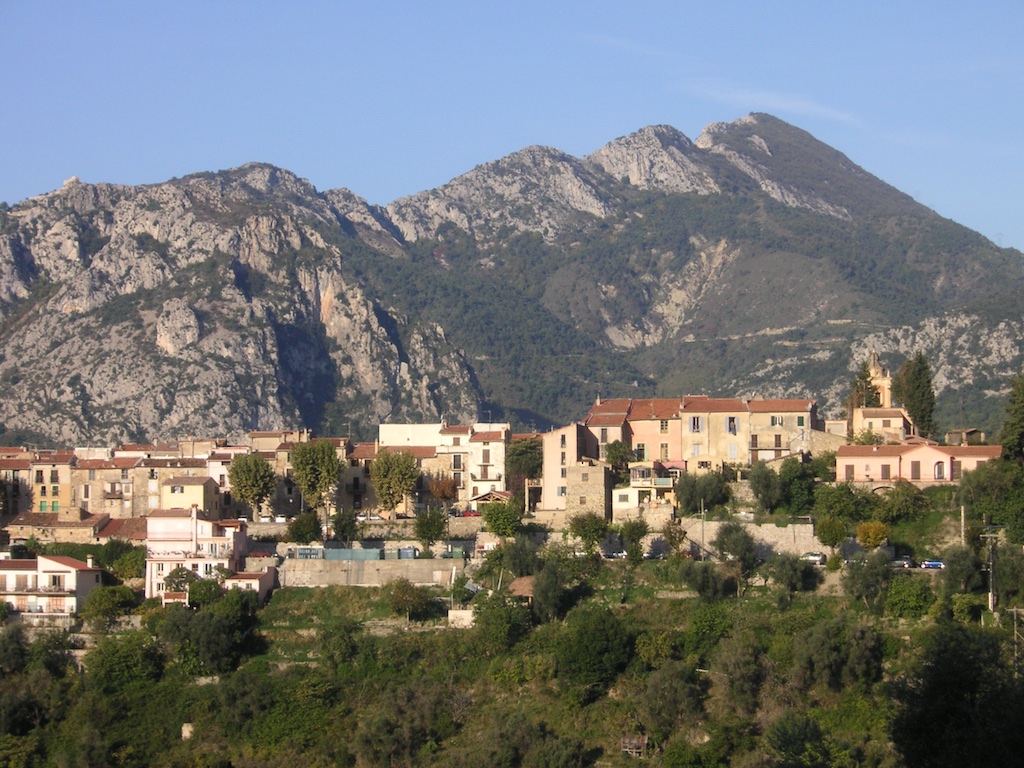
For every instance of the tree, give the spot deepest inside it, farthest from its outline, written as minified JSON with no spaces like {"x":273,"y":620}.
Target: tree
{"x":502,"y":519}
{"x":500,"y":621}
{"x":1012,"y":435}
{"x":103,"y":606}
{"x":868,"y":578}
{"x":204,"y":592}
{"x":179,"y":579}
{"x":394,"y":475}
{"x":524,"y":459}
{"x":589,"y":528}
{"x":405,"y":597}
{"x":797,"y":480}
{"x":912,"y":386}
{"x":872,"y":533}
{"x":549,"y":592}
{"x":430,"y":526}
{"x":735,"y":545}
{"x":316,"y":467}
{"x":863,"y":394}
{"x":694,"y":491}
{"x":443,"y":487}
{"x":618,"y":454}
{"x":344,"y":525}
{"x":252,"y":479}
{"x":305,"y":528}
{"x":831,"y":531}
{"x":765,"y":485}
{"x":593,"y":649}
{"x":903,"y":502}
{"x":633,"y":533}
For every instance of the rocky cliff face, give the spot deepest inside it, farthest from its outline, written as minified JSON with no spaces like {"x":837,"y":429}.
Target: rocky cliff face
{"x":754,"y":259}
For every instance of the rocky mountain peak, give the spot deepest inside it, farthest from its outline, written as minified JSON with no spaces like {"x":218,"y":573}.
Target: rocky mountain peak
{"x":657,"y":157}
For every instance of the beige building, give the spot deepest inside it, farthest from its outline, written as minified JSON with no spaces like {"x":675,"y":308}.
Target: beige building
{"x":922,"y":464}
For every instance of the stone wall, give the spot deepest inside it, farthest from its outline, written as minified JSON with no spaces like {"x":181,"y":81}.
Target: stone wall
{"x":366,"y":573}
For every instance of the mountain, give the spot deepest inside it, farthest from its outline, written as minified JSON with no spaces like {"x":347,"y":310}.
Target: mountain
{"x":754,"y":259}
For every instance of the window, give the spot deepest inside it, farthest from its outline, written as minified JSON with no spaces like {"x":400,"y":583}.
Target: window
{"x":696,"y":449}
{"x":227,"y":498}
{"x":585,"y":477}
{"x":663,"y":451}
{"x":220,"y":480}
{"x":55,"y":506}
{"x":564,"y":471}
{"x":940,"y":471}
{"x":730,"y":425}
{"x":456,"y":441}
{"x":39,"y":476}
{"x":92,"y":474}
{"x":641,"y":451}
{"x":778,"y":441}
{"x":483,"y":472}
{"x":885,"y":471}
{"x":703,"y":465}
{"x":604,"y":434}
{"x":55,"y":490}
{"x":124,"y":475}
{"x":915,"y":470}
{"x":54,"y":476}
{"x":734,"y":451}
{"x":561,"y":490}
{"x":85,"y":491}
{"x":563,"y":457}
{"x":583,"y":500}
{"x":776,"y":421}
{"x":562,"y":442}
{"x":954,"y":470}
{"x":848,"y":473}
{"x":753,"y":441}
{"x":43,"y":506}
{"x":457,"y":461}
{"x":458,"y":478}
{"x":623,"y":498}
{"x":486,"y":456}
{"x":42,"y":490}
{"x":695,"y":423}
{"x":177,"y":489}
{"x":663,"y":426}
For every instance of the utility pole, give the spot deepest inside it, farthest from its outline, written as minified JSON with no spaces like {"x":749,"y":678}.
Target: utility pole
{"x":991,"y":537}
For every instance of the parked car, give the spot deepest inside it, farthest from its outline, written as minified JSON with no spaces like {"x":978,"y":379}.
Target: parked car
{"x":615,"y":555}
{"x":904,"y":561}
{"x":471,"y":513}
{"x":932,"y":563}
{"x":818,"y":558}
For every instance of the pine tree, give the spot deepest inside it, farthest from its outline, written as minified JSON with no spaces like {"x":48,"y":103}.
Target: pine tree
{"x":863,"y":394}
{"x":913,"y":388}
{"x":1013,"y":428}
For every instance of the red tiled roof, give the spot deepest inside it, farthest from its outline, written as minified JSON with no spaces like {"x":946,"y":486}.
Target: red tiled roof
{"x":70,"y":562}
{"x":705,"y":404}
{"x":417,"y":451}
{"x":173,"y":463}
{"x":606,"y":420}
{"x":17,"y":565}
{"x":176,"y":512}
{"x":363,"y":451}
{"x":487,"y":437}
{"x":188,"y":480}
{"x":654,"y":408}
{"x":456,"y":429}
{"x":127,"y":528}
{"x":15,"y":464}
{"x":779,"y":406}
{"x":992,"y":451}
{"x":52,"y":520}
{"x":874,"y":450}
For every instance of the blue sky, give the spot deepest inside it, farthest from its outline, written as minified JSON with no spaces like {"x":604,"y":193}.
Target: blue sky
{"x":390,"y":98}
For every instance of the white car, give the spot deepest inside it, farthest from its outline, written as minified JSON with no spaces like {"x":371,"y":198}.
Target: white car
{"x":818,"y":558}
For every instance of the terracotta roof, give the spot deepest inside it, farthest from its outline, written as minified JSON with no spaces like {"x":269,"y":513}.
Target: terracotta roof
{"x":991,"y":451}
{"x":270,"y":433}
{"x":654,"y":408}
{"x":127,"y":528}
{"x":456,"y":429}
{"x":487,"y":437}
{"x":17,"y":565}
{"x":417,"y":451}
{"x":779,"y":406}
{"x":178,"y":512}
{"x":188,"y":480}
{"x":522,"y":586}
{"x":69,"y":562}
{"x":53,"y":457}
{"x":52,"y":520}
{"x":874,"y":450}
{"x":169,"y":463}
{"x":15,"y":464}
{"x":606,"y":420}
{"x":705,"y":404}
{"x":136,"y":447}
{"x":118,"y":462}
{"x":363,"y":451}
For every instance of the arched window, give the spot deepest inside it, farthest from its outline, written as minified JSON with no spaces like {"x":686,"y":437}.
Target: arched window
{"x":940,"y":470}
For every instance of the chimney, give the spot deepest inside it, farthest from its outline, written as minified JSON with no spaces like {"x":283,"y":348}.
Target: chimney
{"x":90,"y":561}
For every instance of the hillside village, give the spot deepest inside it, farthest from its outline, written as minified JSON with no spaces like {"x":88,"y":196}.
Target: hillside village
{"x":176,"y":500}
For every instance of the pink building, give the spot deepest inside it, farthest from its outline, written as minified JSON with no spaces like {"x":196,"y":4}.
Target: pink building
{"x":922,"y":464}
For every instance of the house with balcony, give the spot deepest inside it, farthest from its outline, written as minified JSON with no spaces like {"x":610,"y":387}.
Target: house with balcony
{"x":16,"y":474}
{"x":107,"y":486}
{"x":923,"y":464}
{"x":48,"y":590}
{"x":192,"y":539}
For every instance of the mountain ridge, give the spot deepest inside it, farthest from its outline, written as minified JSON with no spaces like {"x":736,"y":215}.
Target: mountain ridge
{"x":246,"y":298}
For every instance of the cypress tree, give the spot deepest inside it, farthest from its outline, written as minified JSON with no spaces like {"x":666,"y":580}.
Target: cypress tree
{"x":1013,"y":428}
{"x":913,"y":388}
